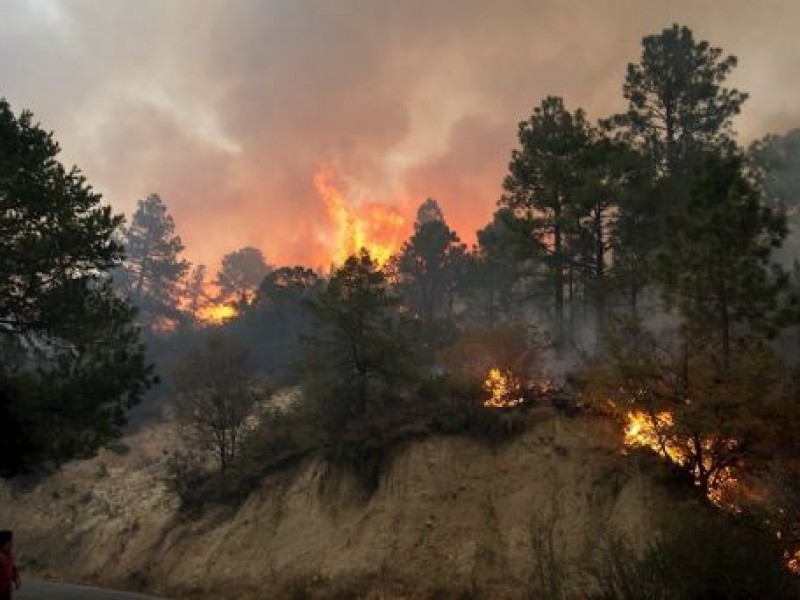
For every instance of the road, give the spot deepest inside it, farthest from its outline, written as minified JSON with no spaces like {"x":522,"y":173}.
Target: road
{"x":45,"y":590}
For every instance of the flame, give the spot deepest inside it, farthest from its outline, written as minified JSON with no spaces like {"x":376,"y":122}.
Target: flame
{"x":217,"y":314}
{"x":505,"y":391}
{"x":655,"y":431}
{"x":376,"y":227}
{"x":792,"y":560}
{"x":644,"y":430}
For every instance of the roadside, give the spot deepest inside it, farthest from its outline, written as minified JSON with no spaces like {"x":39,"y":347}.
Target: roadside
{"x":47,"y":590}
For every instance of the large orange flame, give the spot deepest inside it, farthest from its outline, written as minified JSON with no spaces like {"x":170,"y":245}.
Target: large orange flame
{"x":376,"y":227}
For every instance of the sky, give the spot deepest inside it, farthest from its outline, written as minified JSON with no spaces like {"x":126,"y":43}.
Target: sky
{"x":276,"y":123}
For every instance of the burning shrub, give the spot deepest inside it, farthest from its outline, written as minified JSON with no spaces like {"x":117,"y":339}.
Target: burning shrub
{"x":504,"y":387}
{"x":506,"y":362}
{"x":675,"y":397}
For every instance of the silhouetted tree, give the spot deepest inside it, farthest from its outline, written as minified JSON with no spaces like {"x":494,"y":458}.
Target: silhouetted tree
{"x":541,"y":189}
{"x":72,"y":362}
{"x":428,"y":269}
{"x":195,"y":291}
{"x":427,"y":212}
{"x":677,"y":103}
{"x":285,"y":291}
{"x":361,"y":355}
{"x":715,"y":262}
{"x":153,"y":269}
{"x":241,"y":273}
{"x":215,"y":396}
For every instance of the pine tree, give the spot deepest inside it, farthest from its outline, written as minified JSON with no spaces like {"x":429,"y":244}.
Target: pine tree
{"x":677,"y":103}
{"x":362,"y":354}
{"x":428,"y":270}
{"x":541,"y":191}
{"x":153,"y":270}
{"x":715,"y":263}
{"x":71,"y":362}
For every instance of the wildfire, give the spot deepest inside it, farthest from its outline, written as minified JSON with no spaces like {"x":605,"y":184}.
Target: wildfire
{"x":376,"y":227}
{"x":654,"y":431}
{"x":646,"y":431}
{"x":505,"y":391}
{"x":217,"y":314}
{"x":793,"y":561}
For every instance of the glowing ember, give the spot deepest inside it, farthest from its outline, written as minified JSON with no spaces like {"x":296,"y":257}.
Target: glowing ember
{"x":217,"y":314}
{"x":793,"y":561}
{"x":505,"y":391}
{"x":376,"y":227}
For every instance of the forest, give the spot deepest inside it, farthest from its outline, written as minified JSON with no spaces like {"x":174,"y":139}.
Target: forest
{"x":641,"y":267}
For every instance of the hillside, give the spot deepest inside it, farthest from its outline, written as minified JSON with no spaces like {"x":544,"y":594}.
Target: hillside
{"x":450,"y":517}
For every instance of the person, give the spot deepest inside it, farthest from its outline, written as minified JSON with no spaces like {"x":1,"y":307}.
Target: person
{"x":9,"y":574}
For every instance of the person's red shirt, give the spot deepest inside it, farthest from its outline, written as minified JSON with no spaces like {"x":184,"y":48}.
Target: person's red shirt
{"x":8,"y":571}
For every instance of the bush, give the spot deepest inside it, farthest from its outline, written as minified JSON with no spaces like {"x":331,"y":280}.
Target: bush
{"x":701,"y":553}
{"x":358,"y":443}
{"x":186,"y":478}
{"x":456,"y":408}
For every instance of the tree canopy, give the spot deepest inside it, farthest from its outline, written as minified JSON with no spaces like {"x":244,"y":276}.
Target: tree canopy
{"x":72,"y":360}
{"x":677,"y":102}
{"x":153,"y":269}
{"x":362,"y":351}
{"x":241,"y":273}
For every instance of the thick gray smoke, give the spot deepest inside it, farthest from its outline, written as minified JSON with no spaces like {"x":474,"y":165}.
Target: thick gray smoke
{"x":227,"y":108}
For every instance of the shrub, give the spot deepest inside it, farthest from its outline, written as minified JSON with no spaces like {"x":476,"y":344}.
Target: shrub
{"x":700,"y":553}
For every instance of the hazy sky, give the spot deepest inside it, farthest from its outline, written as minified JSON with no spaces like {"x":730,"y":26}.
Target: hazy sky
{"x":228,"y":108}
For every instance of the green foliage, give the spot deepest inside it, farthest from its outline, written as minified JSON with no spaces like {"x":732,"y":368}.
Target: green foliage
{"x":611,"y":216}
{"x":72,"y":363}
{"x":723,"y":420}
{"x":715,"y":260}
{"x":677,"y":103}
{"x":79,"y":396}
{"x":56,"y":238}
{"x":697,"y":554}
{"x":541,"y":191}
{"x":363,"y":354}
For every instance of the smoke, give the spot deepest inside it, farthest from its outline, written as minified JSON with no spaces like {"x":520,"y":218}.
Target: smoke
{"x":228,"y":108}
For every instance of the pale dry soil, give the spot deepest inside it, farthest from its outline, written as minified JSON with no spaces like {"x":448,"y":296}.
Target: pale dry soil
{"x":450,"y":516}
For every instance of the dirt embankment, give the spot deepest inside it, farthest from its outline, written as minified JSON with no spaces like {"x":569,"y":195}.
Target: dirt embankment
{"x":450,"y":516}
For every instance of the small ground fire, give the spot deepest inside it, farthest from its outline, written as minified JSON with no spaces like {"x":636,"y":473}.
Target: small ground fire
{"x":505,"y":390}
